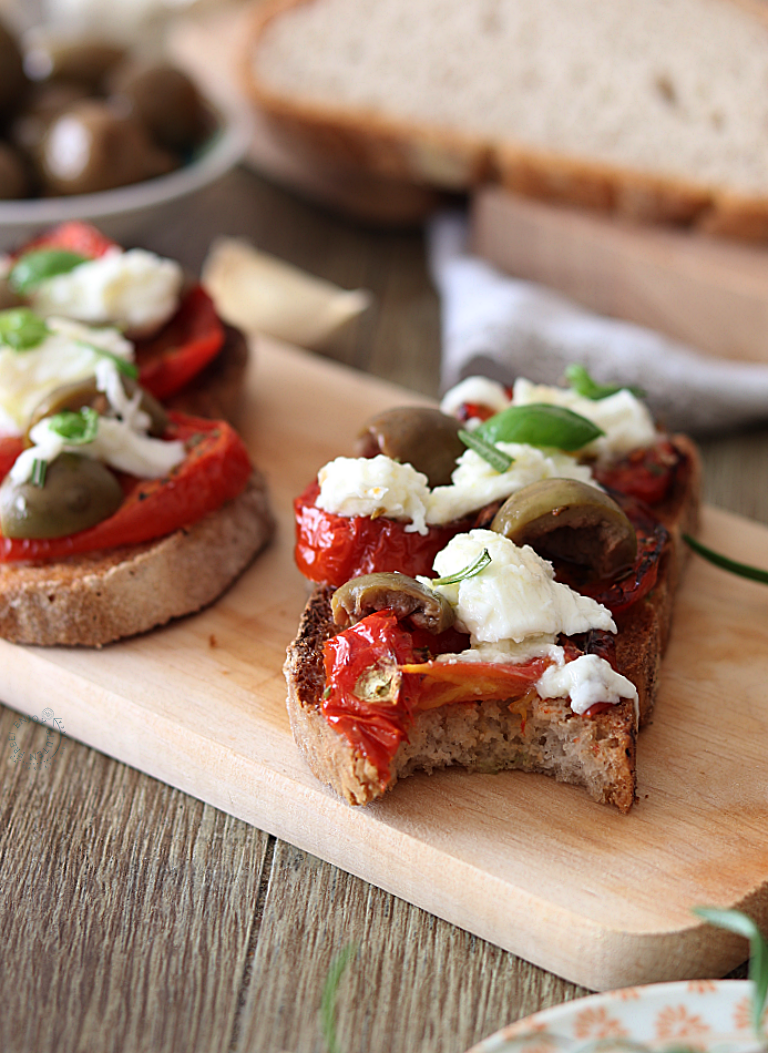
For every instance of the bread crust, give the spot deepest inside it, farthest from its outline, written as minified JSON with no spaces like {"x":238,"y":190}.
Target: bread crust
{"x":539,"y":735}
{"x":428,"y":155}
{"x":96,"y":598}
{"x":217,"y":391}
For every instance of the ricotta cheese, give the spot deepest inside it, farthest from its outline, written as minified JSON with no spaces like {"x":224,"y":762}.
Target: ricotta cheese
{"x":585,"y":681}
{"x":66,"y":356}
{"x":135,"y":290}
{"x":515,"y":596}
{"x":474,"y":483}
{"x":374,"y":486}
{"x":477,"y":391}
{"x":625,"y":420}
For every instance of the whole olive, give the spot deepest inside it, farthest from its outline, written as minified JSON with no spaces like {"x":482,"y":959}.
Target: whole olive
{"x":92,"y":146}
{"x":13,"y":80}
{"x":570,"y":520}
{"x":78,"y":493}
{"x":44,"y":102}
{"x":14,"y":175}
{"x":85,"y":393}
{"x":166,"y":101}
{"x":418,"y":435}
{"x":83,"y":62}
{"x":407,"y":597}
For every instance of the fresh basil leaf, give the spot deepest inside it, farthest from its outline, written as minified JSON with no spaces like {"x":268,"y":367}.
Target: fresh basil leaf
{"x":39,"y":265}
{"x":540,"y":424}
{"x":469,"y":571}
{"x":497,"y":459}
{"x":743,"y":570}
{"x":580,"y":380}
{"x":76,"y":428}
{"x":128,"y":369}
{"x":22,"y":329}
{"x":740,"y":923}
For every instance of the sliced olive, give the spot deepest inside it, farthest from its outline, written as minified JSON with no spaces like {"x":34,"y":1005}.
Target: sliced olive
{"x":85,"y":393}
{"x":407,"y":597}
{"x":570,"y":520}
{"x":417,"y":435}
{"x":92,"y":146}
{"x":78,"y":493}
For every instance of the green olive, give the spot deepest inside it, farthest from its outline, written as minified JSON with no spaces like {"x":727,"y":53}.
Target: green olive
{"x":573,"y":521}
{"x":85,"y":393}
{"x":92,"y":146}
{"x":78,"y":493}
{"x":417,"y":435}
{"x":407,"y":597}
{"x":166,"y":101}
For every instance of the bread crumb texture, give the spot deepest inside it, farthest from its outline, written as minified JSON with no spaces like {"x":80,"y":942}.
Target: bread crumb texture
{"x":668,"y":88}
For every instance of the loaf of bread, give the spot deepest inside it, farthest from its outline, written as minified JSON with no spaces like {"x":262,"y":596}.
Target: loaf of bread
{"x":657,"y":110}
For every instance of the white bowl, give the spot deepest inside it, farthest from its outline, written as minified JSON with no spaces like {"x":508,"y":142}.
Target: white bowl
{"x":121,"y":212}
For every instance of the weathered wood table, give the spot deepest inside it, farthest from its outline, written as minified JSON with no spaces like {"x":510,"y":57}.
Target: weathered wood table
{"x":135,"y":918}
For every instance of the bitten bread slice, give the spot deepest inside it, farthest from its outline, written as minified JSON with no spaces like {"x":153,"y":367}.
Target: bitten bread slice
{"x":537,"y":735}
{"x":544,"y":735}
{"x":656,"y":109}
{"x":100,"y":597}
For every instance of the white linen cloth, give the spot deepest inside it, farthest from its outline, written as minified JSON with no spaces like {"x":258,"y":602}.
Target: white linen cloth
{"x":503,"y":327}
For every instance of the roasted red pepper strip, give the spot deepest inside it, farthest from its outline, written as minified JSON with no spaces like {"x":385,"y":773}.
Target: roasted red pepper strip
{"x":216,"y":470}
{"x":332,"y":548}
{"x":647,"y":474}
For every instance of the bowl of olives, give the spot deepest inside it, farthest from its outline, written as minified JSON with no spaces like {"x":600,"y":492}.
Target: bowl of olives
{"x":91,"y":131}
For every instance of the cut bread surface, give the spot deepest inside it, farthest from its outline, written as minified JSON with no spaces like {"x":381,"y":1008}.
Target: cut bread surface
{"x":657,"y":109}
{"x":94,"y":599}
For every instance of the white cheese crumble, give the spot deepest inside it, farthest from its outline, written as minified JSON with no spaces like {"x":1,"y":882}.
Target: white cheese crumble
{"x":477,"y":391}
{"x":135,"y":290}
{"x":374,"y":486}
{"x":514,"y":610}
{"x":475,"y":483}
{"x":625,"y":420}
{"x":585,"y":681}
{"x":121,"y":443}
{"x":63,"y":357}
{"x":515,"y":596}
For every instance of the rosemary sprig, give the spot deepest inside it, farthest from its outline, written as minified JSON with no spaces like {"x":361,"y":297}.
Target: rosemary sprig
{"x":498,"y":460}
{"x":744,"y":570}
{"x":740,"y":923}
{"x":330,"y":992}
{"x":469,"y":571}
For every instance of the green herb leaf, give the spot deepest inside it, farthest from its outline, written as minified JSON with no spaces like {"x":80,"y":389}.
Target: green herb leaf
{"x":40,"y":264}
{"x":128,"y":369}
{"x":539,"y":424}
{"x":77,"y":428}
{"x":581,"y":381}
{"x":39,"y":469}
{"x":497,"y":459}
{"x":742,"y":924}
{"x":744,"y":570}
{"x":330,"y":991}
{"x":469,"y":571}
{"x":22,"y":329}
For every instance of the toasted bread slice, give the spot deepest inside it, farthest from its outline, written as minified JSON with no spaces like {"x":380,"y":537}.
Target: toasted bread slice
{"x":100,"y":597}
{"x":539,"y":735}
{"x":217,"y":391}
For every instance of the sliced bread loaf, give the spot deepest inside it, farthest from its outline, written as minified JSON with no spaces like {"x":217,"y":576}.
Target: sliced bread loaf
{"x":656,"y":109}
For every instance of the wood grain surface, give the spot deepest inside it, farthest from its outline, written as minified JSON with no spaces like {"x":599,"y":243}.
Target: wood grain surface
{"x":112,"y":884}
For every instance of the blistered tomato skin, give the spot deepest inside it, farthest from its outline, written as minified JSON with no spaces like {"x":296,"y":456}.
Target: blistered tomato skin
{"x":647,"y":474}
{"x":332,"y":549}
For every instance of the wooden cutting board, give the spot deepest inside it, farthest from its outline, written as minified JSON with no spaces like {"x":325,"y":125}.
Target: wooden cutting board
{"x":599,"y":898}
